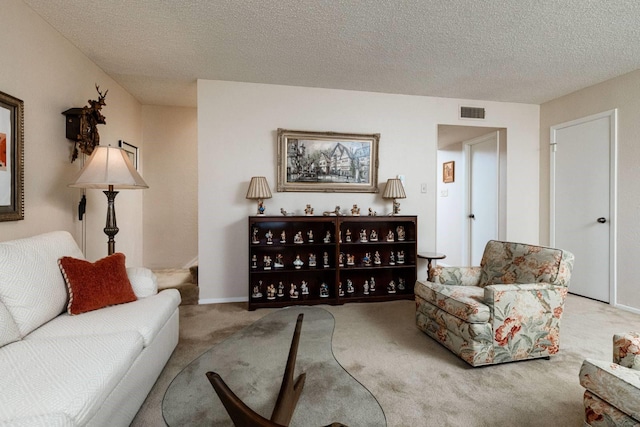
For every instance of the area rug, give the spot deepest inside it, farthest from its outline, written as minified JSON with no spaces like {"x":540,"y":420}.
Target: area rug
{"x":252,"y":362}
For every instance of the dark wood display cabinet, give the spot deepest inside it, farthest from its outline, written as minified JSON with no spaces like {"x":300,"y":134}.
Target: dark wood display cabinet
{"x":330,"y":259}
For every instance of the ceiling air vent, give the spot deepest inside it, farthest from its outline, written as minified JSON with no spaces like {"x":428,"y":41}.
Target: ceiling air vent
{"x":471,"y":113}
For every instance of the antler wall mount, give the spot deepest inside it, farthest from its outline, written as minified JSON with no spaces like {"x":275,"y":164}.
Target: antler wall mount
{"x":82,"y":125}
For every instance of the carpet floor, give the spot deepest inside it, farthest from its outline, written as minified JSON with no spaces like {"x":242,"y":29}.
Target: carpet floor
{"x":417,"y":381}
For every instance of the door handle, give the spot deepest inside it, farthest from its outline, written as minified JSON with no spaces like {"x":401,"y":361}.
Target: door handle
{"x":472,"y":216}
{"x":602,"y":220}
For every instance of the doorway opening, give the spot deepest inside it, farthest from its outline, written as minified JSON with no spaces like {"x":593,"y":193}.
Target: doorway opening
{"x":471,"y":207}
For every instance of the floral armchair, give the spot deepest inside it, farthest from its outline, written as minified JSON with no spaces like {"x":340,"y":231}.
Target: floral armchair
{"x":507,"y":309}
{"x":612,"y":395}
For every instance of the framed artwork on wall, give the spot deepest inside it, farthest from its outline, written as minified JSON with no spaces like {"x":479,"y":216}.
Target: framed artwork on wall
{"x":327,"y":161}
{"x":132,"y":152}
{"x":11,"y":158}
{"x":448,"y":172}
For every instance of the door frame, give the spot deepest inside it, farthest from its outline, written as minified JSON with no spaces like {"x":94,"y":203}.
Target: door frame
{"x":466,"y":244}
{"x":613,"y":189}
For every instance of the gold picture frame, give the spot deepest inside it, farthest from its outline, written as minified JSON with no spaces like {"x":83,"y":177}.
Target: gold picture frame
{"x":327,"y":161}
{"x":448,"y":172}
{"x":11,"y":158}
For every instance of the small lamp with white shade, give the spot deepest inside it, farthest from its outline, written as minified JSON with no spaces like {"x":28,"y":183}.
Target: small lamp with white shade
{"x":394,"y":190}
{"x":259,"y":190}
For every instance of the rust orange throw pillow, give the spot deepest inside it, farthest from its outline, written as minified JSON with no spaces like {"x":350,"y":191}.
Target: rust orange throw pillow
{"x":96,"y":285}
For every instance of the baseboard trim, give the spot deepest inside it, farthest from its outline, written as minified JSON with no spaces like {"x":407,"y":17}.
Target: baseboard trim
{"x":627,"y":308}
{"x":222,"y":300}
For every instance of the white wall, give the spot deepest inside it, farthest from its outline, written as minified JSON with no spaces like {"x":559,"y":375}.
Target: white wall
{"x":237,"y":125}
{"x":50,"y":75}
{"x":171,"y":202}
{"x":622,"y":93}
{"x":450,"y":212}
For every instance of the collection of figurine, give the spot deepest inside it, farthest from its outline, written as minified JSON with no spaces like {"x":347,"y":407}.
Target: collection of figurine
{"x":298,"y":238}
{"x":308,"y":211}
{"x":368,"y":288}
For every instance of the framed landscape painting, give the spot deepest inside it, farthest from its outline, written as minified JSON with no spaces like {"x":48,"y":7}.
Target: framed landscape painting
{"x":11,"y":158}
{"x":327,"y":161}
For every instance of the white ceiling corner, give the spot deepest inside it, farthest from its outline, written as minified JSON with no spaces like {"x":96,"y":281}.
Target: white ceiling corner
{"x":497,"y":50}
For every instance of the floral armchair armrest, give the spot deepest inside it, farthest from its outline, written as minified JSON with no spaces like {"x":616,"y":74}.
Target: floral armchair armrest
{"x":626,"y":350}
{"x":459,"y":276}
{"x":526,"y":318}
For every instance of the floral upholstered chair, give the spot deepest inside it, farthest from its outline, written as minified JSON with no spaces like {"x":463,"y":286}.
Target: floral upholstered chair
{"x":509,"y":308}
{"x":612,"y":395}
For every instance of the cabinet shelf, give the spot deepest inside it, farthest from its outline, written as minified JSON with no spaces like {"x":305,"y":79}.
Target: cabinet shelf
{"x":334,"y":279}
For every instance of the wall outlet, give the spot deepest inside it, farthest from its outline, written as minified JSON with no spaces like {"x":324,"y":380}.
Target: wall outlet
{"x":444,"y":193}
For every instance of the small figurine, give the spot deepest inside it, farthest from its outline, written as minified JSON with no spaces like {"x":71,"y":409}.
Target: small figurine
{"x":372,"y":212}
{"x":341,"y":259}
{"x":400,"y":231}
{"x":400,"y":257}
{"x":279,"y":262}
{"x":260,"y":207}
{"x":340,"y":236}
{"x":310,"y":236}
{"x":355,"y":210}
{"x":324,"y":290}
{"x":376,"y":258}
{"x":391,"y":287}
{"x":350,"y":289}
{"x":327,"y":237}
{"x":271,"y":292}
{"x":365,"y":287}
{"x":363,"y":236}
{"x":283,"y":212}
{"x":372,"y":285}
{"x":254,"y":238}
{"x":312,"y":260}
{"x":373,"y":237}
{"x":401,"y":284}
{"x":280,"y":290}
{"x":351,"y":259}
{"x":297,"y":263}
{"x":340,"y":290}
{"x":392,"y":259}
{"x":396,"y":207}
{"x":283,"y":237}
{"x":293,"y":291}
{"x":266,"y":262}
{"x":366,"y":259}
{"x":298,"y":238}
{"x":325,"y":260}
{"x":257,"y":290}
{"x":348,"y":238}
{"x":336,"y":211}
{"x":308,"y":211}
{"x":254,"y":261}
{"x":269,"y":236}
{"x":304,"y":288}
{"x":390,"y":236}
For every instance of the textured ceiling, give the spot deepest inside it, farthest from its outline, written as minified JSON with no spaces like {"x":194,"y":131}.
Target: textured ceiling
{"x":528,"y":51}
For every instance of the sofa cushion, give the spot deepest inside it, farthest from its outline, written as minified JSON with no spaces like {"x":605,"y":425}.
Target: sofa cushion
{"x":71,"y":375}
{"x":143,"y":281}
{"x":464,"y":302}
{"x":614,"y":384}
{"x":146,"y":316}
{"x":31,"y":286}
{"x":509,"y":263}
{"x":96,"y":285}
{"x":46,"y":420}
{"x":8,"y":330}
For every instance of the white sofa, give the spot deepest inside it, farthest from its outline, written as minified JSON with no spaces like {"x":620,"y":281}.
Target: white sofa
{"x":92,"y":369}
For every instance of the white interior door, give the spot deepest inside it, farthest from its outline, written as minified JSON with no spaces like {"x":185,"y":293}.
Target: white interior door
{"x":483,"y":184}
{"x":582,"y":201}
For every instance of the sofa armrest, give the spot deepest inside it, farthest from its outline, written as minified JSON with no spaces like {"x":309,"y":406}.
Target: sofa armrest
{"x":143,"y":281}
{"x":458,"y":276}
{"x":626,"y":350}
